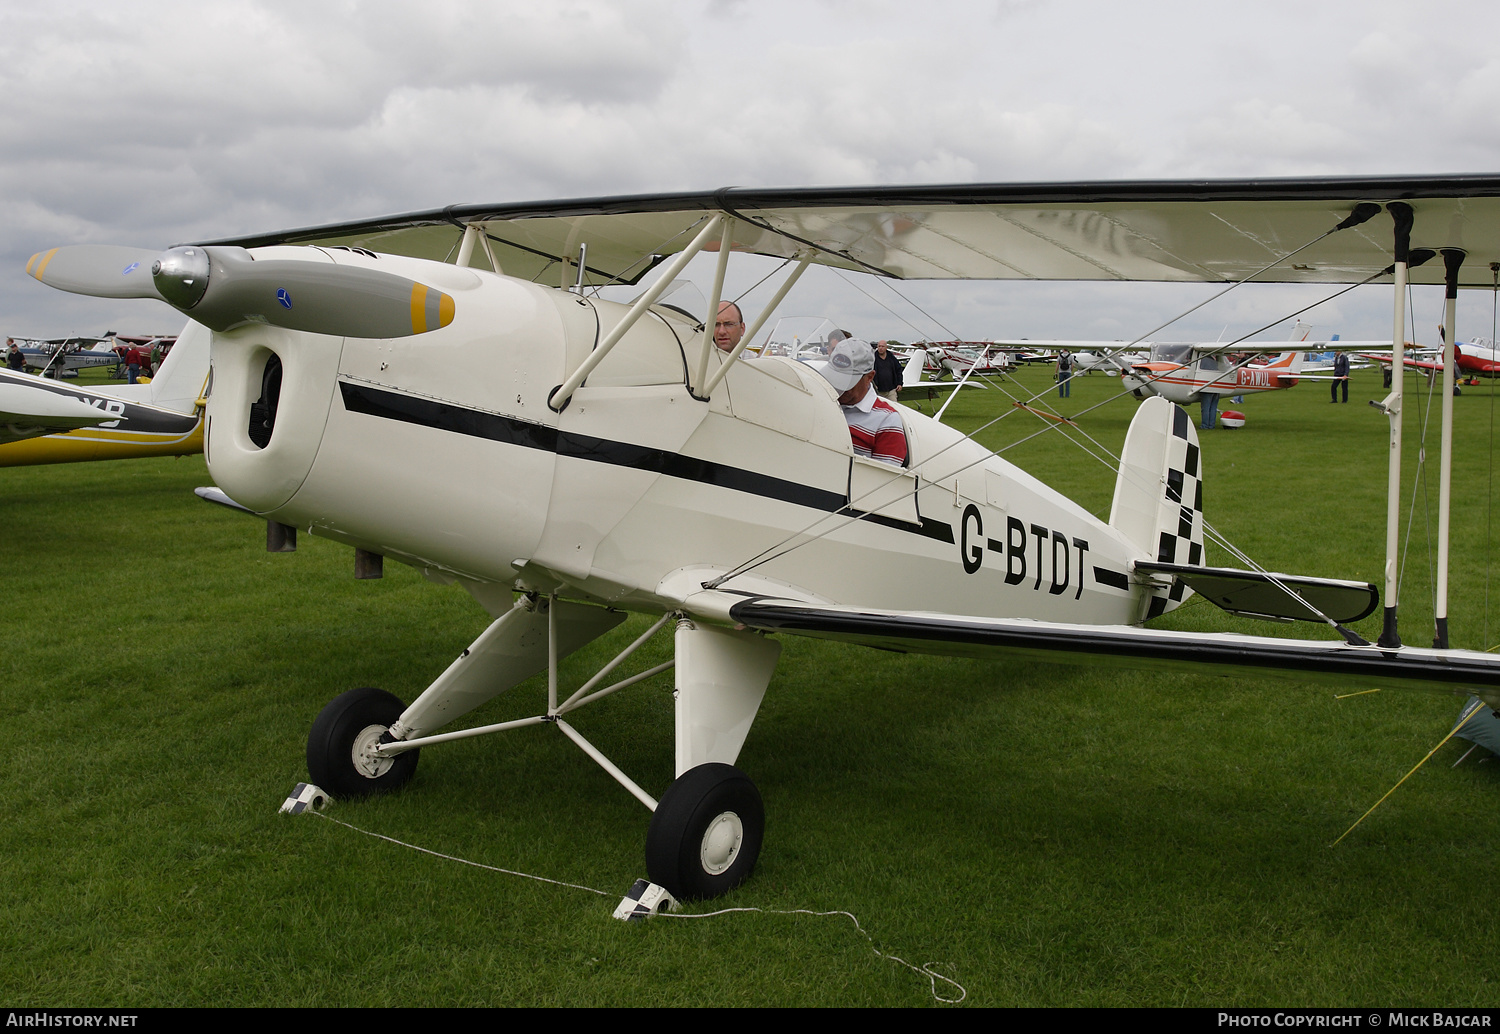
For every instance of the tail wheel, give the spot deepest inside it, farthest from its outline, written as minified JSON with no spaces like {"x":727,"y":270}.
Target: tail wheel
{"x":339,"y":747}
{"x":706,"y":833}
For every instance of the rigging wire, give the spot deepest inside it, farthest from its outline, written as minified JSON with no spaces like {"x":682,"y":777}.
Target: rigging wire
{"x":890,"y":310}
{"x":746,"y":291}
{"x":787,"y":544}
{"x":776,"y":551}
{"x":1419,"y":478}
{"x":662,"y":250}
{"x":771,"y":553}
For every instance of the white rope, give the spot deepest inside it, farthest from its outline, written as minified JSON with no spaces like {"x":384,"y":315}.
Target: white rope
{"x":461,"y":861}
{"x":926,"y":969}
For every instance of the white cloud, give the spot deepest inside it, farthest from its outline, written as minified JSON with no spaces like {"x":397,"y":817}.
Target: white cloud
{"x":152,"y":123}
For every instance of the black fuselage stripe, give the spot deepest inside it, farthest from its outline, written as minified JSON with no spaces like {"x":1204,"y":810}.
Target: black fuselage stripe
{"x":359,"y":398}
{"x":390,"y":405}
{"x":692,"y":468}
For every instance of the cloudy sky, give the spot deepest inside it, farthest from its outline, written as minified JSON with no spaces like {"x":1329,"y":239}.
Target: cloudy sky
{"x":153,"y":123}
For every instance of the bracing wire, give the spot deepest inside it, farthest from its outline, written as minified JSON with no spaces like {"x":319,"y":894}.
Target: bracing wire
{"x":790,"y":543}
{"x":746,"y":291}
{"x":776,"y":551}
{"x":1419,"y":478}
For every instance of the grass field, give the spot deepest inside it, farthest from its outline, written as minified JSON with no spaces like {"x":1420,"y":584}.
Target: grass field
{"x":1047,"y":835}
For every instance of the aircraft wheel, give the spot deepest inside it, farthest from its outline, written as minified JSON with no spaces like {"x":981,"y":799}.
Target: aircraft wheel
{"x":338,"y":747}
{"x":706,"y":833}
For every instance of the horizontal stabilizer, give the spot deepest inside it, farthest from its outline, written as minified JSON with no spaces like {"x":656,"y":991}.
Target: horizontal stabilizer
{"x":1259,"y":594}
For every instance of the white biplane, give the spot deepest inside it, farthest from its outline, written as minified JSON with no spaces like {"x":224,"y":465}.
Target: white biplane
{"x":441,"y":389}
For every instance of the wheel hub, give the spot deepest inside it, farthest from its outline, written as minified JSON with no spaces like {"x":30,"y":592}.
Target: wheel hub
{"x":721,"y":843}
{"x":366,"y":762}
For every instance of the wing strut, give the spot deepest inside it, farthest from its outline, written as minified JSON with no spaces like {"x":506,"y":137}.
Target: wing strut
{"x":1401,"y":212}
{"x":760,"y":321}
{"x":1452,"y":259}
{"x":564,"y":391}
{"x":726,"y":240}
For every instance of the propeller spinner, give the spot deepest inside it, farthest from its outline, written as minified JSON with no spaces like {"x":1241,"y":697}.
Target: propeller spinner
{"x":227,"y":287}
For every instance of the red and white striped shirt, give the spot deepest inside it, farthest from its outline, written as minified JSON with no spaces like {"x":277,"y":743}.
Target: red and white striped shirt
{"x":876,"y":429}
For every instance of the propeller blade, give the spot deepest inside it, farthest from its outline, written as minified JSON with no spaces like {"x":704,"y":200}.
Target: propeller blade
{"x":223,"y":288}
{"x":228,"y":287}
{"x":101,"y":270}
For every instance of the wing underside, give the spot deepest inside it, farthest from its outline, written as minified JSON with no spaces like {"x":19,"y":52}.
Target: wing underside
{"x":1456,"y":671}
{"x":1212,"y":231}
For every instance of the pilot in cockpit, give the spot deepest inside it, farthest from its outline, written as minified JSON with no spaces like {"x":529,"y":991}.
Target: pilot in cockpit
{"x":875,"y":428}
{"x":729,"y":327}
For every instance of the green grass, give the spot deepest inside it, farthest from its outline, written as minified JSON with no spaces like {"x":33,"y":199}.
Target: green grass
{"x":1050,"y":835}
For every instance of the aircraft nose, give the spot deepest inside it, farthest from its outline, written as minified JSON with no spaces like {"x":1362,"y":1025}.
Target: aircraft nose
{"x":181,"y":276}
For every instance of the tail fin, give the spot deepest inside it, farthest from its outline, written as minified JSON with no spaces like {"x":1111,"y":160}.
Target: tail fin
{"x":1289,"y":362}
{"x":911,"y":373}
{"x":1287,"y":366}
{"x":1158,"y":501}
{"x":184,"y":372}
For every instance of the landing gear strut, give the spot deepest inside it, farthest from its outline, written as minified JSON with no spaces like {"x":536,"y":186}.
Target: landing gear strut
{"x":706,"y":831}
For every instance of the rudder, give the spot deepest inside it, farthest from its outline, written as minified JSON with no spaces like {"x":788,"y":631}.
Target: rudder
{"x":1158,"y":502}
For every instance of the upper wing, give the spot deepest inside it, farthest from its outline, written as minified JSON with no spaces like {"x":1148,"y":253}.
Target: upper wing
{"x":29,"y":409}
{"x":1457,"y":671}
{"x":1205,"y":230}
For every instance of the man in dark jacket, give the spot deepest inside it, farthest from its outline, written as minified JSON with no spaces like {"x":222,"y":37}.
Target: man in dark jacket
{"x":888,"y":372}
{"x":1340,"y":376}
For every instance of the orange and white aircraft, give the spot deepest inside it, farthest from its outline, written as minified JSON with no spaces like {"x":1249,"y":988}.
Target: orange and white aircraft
{"x":1175,"y":375}
{"x":1183,"y":372}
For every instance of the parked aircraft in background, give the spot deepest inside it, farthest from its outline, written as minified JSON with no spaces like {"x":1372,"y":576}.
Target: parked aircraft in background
{"x":46,"y":421}
{"x":55,"y":356}
{"x":1477,"y":357}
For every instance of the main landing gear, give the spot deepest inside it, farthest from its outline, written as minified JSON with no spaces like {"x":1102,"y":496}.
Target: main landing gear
{"x":706,"y":832}
{"x":341,"y":755}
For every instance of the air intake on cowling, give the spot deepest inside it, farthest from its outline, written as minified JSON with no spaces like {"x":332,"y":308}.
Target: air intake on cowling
{"x":263,"y":409}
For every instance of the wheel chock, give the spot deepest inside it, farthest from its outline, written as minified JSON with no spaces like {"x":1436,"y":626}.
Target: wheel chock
{"x":304,"y":797}
{"x":644,"y":899}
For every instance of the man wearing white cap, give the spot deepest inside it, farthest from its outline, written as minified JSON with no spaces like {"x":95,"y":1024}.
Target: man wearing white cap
{"x":875,"y":428}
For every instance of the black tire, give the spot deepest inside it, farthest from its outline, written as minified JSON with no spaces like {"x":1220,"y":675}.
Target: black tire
{"x":706,"y":833}
{"x":335,"y":760}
